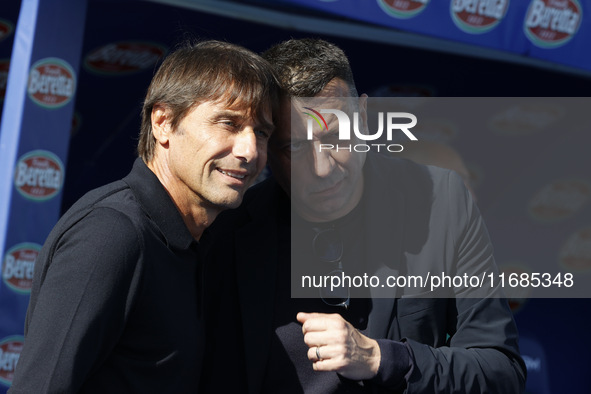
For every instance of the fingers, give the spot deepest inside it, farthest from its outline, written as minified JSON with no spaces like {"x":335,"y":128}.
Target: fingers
{"x":335,"y":345}
{"x":327,"y":358}
{"x":325,"y":352}
{"x":314,"y":355}
{"x":327,"y":337}
{"x":303,"y":316}
{"x":323,"y":338}
{"x":322,"y":329}
{"x":312,"y":322}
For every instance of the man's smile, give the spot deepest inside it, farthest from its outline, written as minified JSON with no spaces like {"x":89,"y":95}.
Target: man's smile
{"x":234,"y":173}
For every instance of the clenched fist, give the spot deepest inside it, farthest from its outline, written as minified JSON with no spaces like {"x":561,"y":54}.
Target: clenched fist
{"x":335,"y":345}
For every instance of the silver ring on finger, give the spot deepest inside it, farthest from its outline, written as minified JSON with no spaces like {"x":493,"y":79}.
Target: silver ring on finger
{"x":318,"y":353}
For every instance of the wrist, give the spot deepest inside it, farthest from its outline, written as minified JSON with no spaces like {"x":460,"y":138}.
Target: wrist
{"x":395,"y":363}
{"x":375,"y":358}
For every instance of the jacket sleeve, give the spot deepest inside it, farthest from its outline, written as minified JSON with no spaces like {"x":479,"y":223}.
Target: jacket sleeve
{"x":87,"y":275}
{"x":481,"y":354}
{"x":480,"y":357}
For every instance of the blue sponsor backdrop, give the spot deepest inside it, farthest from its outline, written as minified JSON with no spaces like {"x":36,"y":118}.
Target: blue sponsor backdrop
{"x":113,"y":47}
{"x":552,"y":30}
{"x":34,"y":141}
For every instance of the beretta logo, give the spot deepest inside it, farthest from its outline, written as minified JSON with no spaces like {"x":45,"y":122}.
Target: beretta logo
{"x":6,"y":28}
{"x":123,"y":57}
{"x":575,"y":255}
{"x":478,"y":16}
{"x":52,"y":83}
{"x":344,"y":133}
{"x":516,"y":296}
{"x":403,"y":9}
{"x":39,"y":175}
{"x":526,"y":118}
{"x":552,"y":23}
{"x":18,"y":267}
{"x":4,"y":64}
{"x":10,"y":351}
{"x":560,"y":199}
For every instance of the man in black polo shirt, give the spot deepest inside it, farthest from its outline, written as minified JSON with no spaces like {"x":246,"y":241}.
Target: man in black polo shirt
{"x":339,"y":211}
{"x":116,"y":299}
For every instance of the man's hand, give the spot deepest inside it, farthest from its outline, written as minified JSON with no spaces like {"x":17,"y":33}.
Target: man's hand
{"x":341,"y":347}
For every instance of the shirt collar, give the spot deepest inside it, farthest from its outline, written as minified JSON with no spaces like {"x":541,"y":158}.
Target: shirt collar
{"x":157,"y":203}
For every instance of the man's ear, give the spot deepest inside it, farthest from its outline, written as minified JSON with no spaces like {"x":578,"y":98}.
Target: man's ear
{"x":161,"y":127}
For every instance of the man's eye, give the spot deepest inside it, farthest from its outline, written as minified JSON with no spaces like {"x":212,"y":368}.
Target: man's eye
{"x":227,"y":123}
{"x":296,"y":146}
{"x":262,"y":133}
{"x":331,"y":137}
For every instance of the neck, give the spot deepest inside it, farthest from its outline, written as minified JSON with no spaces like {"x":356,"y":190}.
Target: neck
{"x":196,"y":215}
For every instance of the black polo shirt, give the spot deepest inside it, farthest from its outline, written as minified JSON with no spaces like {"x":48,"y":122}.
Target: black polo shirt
{"x":115,"y":303}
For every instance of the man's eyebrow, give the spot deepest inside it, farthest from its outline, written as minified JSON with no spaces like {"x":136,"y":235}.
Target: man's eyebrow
{"x":227,"y":113}
{"x":239,"y":115}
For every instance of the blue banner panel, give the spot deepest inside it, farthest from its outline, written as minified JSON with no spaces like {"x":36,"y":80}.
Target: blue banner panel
{"x":550,"y":30}
{"x":34,"y":139}
{"x":8,"y":17}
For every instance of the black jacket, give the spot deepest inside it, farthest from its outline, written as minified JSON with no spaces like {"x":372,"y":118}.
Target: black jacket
{"x":418,"y":219}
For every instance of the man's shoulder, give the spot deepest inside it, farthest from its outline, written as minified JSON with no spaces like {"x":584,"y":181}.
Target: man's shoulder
{"x":101,"y":193}
{"x":112,"y":207}
{"x":408,"y":177}
{"x":95,"y":223}
{"x":116,"y":195}
{"x":127,"y":196}
{"x":421,"y":188}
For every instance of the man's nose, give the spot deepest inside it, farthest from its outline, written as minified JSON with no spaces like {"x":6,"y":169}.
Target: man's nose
{"x":245,"y":146}
{"x":323,"y":161}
